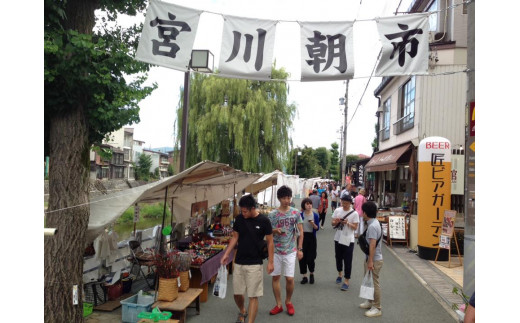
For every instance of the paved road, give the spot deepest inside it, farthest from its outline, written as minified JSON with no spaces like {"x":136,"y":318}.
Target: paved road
{"x":404,"y":299}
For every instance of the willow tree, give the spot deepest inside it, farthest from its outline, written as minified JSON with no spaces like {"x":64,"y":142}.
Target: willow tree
{"x":242,"y":123}
{"x":86,"y":97}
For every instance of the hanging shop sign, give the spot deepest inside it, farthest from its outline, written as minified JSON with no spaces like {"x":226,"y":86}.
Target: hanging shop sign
{"x":434,"y":192}
{"x":457,"y":174}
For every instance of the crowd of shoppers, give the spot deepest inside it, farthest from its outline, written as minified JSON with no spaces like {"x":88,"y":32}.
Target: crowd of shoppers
{"x":291,"y":234}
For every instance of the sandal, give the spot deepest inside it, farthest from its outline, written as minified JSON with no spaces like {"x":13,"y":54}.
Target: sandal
{"x":241,"y":318}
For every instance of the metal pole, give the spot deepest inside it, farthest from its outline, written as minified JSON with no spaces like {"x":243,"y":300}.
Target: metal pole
{"x":161,"y":249}
{"x":469,"y":169}
{"x":185,"y":107}
{"x":344,"y":161}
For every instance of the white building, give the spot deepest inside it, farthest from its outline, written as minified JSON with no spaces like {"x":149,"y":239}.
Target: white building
{"x":415,"y":107}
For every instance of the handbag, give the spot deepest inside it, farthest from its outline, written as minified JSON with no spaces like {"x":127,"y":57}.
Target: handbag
{"x":367,"y":286}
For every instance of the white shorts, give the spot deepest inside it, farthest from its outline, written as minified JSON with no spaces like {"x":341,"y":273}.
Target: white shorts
{"x":248,"y":278}
{"x":287,"y":262}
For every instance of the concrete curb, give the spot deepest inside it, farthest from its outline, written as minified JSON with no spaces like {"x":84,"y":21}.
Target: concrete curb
{"x":432,"y":291}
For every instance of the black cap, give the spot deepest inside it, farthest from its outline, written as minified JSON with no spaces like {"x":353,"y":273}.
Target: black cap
{"x":346,"y":197}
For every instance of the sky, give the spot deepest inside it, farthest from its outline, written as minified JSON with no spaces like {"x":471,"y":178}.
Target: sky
{"x":319,"y":115}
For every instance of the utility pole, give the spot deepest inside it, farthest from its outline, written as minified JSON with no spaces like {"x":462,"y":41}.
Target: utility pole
{"x":295,"y":158}
{"x":184,"y":134}
{"x":469,"y":182}
{"x":344,"y":143}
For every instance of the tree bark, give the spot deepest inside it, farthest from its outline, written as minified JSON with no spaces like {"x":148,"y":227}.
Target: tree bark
{"x":68,"y":211}
{"x":68,"y":208}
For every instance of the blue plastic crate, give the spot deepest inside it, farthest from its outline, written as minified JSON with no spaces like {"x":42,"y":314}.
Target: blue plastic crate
{"x":134,"y":305}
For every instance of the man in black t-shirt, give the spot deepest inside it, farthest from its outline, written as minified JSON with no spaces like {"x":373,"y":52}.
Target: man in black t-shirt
{"x":249,"y":229}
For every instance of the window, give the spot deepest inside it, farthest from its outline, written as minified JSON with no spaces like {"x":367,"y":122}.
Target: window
{"x":117,"y":159}
{"x":434,"y":17}
{"x":127,"y":154}
{"x":104,"y":172}
{"x":407,"y":107}
{"x":118,"y":172}
{"x":385,"y":131}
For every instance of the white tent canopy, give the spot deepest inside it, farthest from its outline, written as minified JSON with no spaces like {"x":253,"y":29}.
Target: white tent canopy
{"x":206,"y":180}
{"x":267,"y":180}
{"x":308,"y":184}
{"x":267,"y":185}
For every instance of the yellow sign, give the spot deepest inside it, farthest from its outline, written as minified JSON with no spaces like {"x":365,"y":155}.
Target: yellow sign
{"x":434,"y":192}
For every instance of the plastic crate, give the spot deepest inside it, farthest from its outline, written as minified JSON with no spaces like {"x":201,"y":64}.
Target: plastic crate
{"x":87,"y":309}
{"x":134,"y":305}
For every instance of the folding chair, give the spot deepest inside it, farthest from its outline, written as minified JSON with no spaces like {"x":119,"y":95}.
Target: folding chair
{"x":140,"y":258}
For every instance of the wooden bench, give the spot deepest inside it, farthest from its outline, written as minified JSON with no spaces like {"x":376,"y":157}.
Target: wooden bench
{"x":178,"y":306}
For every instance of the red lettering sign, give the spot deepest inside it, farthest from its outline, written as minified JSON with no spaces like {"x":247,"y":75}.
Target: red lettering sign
{"x":437,"y":145}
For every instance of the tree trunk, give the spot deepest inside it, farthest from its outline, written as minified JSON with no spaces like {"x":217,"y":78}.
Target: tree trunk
{"x":68,"y":211}
{"x":68,"y":208}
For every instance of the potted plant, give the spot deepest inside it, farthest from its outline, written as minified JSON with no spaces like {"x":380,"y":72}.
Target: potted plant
{"x":167,"y":269}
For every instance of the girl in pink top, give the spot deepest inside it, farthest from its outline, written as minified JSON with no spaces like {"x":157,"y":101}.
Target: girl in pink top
{"x":358,"y":202}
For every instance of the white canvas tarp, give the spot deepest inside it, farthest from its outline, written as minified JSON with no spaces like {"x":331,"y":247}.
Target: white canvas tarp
{"x":268,"y":195}
{"x":206,"y":180}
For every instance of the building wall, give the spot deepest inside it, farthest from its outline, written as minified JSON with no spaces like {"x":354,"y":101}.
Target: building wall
{"x":392,"y":91}
{"x":117,"y":138}
{"x":137,"y":150}
{"x":459,"y":21}
{"x":440,"y":103}
{"x":155,"y":160}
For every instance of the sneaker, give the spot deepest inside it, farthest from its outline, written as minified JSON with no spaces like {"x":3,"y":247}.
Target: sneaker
{"x":373,"y":312}
{"x":290,"y":309}
{"x":304,"y":280}
{"x":344,"y":287}
{"x":311,"y":280}
{"x":366,"y":305}
{"x":339,"y":280}
{"x":276,"y":310}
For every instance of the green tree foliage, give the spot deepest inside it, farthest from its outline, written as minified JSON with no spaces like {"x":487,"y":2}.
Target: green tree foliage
{"x":242,"y":123}
{"x":87,"y":95}
{"x":171,"y":172}
{"x":88,"y":68}
{"x":323,"y":157}
{"x":334,"y":161}
{"x":307,"y":163}
{"x":352,"y":158}
{"x":142,"y":169}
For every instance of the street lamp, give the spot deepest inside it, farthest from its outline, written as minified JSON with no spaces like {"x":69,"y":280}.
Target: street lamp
{"x":202,"y":60}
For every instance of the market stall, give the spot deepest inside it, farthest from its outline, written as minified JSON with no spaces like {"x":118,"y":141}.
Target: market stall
{"x":206,"y":182}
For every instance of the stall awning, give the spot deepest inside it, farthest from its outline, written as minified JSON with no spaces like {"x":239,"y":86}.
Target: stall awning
{"x":264,"y":182}
{"x":388,"y":159}
{"x":206,"y":180}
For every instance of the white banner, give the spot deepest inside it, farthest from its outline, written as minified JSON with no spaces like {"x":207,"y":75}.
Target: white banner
{"x":247,"y":48}
{"x":327,"y":51}
{"x":405,"y":45}
{"x":168,"y":35}
{"x":457,"y":174}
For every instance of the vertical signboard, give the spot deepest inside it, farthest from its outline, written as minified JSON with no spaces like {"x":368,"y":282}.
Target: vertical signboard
{"x":434,"y":192}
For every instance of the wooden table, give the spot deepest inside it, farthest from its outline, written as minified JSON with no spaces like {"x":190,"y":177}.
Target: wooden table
{"x":178,"y":306}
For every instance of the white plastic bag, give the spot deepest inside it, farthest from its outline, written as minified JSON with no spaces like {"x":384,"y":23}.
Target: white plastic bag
{"x":220,"y":286}
{"x":367,"y":287}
